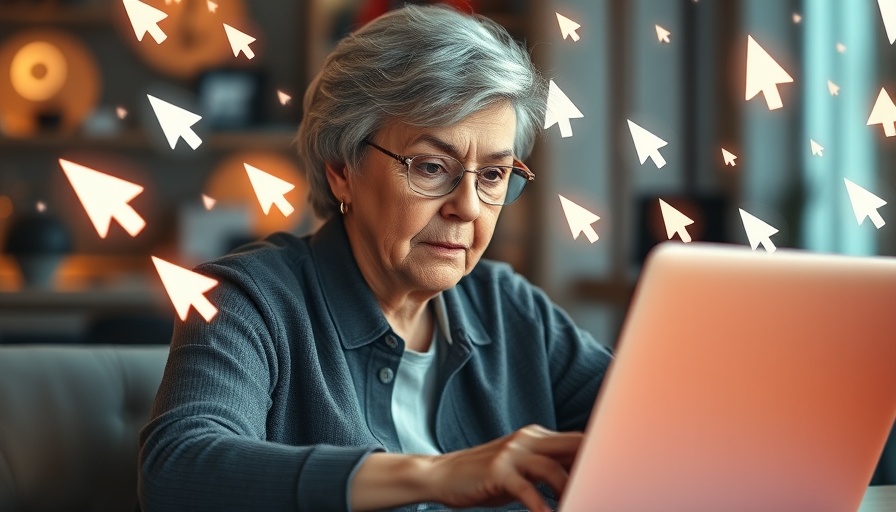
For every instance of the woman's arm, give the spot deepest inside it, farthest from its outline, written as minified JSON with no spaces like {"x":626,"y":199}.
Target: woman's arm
{"x":491,"y":474}
{"x":212,"y":443}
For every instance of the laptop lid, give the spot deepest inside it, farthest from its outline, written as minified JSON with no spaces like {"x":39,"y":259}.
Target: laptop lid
{"x":744,"y":381}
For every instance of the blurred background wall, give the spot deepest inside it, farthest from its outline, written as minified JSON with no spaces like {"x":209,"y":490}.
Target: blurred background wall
{"x":74,"y":81}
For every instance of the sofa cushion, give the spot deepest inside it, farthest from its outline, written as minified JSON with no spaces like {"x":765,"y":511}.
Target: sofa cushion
{"x":69,"y":420}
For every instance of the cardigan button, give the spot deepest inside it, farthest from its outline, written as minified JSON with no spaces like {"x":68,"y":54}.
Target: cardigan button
{"x":386,"y":375}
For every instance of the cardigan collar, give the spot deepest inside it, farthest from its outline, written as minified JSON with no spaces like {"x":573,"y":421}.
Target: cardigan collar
{"x":355,"y":312}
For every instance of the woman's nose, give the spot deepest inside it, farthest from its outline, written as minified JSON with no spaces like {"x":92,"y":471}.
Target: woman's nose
{"x":464,"y":201}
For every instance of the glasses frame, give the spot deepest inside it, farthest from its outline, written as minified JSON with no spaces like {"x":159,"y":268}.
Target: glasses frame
{"x":406,"y":160}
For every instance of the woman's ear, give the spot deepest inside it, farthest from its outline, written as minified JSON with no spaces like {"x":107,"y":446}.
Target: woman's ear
{"x":340,"y":184}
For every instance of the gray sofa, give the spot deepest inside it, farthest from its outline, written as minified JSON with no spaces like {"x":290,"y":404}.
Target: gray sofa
{"x":69,"y":419}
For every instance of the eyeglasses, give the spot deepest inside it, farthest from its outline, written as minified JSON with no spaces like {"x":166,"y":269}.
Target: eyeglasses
{"x":438,"y":175}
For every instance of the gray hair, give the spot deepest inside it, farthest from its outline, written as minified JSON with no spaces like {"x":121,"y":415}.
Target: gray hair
{"x":427,"y":66}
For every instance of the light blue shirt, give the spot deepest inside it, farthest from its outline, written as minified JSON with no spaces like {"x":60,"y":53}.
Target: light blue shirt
{"x":413,"y":398}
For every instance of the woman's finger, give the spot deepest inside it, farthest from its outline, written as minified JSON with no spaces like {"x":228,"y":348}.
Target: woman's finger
{"x":558,"y":445}
{"x":526,"y":493}
{"x":539,"y":468}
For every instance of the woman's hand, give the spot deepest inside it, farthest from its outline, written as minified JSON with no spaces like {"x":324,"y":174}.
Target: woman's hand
{"x":505,"y":469}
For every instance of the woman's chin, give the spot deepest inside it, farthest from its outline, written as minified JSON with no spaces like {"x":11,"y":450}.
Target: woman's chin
{"x":440,"y":276}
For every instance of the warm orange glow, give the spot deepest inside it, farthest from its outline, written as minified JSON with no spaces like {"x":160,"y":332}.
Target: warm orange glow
{"x":194,"y":40}
{"x":38,"y":71}
{"x":229,"y":184}
{"x":50,"y":73}
{"x":5,"y":207}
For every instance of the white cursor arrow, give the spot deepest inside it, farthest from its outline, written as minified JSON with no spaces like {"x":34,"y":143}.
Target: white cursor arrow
{"x":884,"y":113}
{"x":729,"y":157}
{"x":647,"y":144}
{"x":579,"y":219}
{"x":186,"y":288}
{"x":212,"y":6}
{"x":763,"y":75}
{"x":888,"y":13}
{"x":833,"y":88}
{"x":864,"y":204}
{"x":145,"y":18}
{"x":560,"y":110}
{"x":208,"y":201}
{"x":105,"y":197}
{"x":816,"y":148}
{"x":176,"y":122}
{"x":662,"y":34}
{"x":567,"y":27}
{"x":758,"y":232}
{"x":675,"y":222}
{"x":239,"y":41}
{"x":270,"y":190}
{"x":283,"y":97}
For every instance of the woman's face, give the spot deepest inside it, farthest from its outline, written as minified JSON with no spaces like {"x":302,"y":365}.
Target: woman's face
{"x":410,"y":243}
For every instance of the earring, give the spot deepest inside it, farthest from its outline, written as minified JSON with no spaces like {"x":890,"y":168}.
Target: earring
{"x":343,"y":207}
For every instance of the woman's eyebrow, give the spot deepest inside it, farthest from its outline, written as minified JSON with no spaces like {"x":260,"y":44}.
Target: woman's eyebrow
{"x":450,"y":150}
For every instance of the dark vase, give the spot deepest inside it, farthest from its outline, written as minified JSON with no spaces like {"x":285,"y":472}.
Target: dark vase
{"x":38,"y":243}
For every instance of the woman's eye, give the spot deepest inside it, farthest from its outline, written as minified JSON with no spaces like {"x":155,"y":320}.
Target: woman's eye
{"x":494,"y":174}
{"x":430,"y":168}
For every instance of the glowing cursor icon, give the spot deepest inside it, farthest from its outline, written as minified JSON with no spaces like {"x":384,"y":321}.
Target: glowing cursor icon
{"x":884,"y":113}
{"x":816,"y":148}
{"x":833,"y":88}
{"x":105,"y":197}
{"x":579,"y":220}
{"x":283,"y":97}
{"x":764,"y":75}
{"x":212,"y":6}
{"x":729,"y":157}
{"x":567,"y":27}
{"x":864,"y":204}
{"x":186,"y":288}
{"x":662,"y":34}
{"x":145,"y":18}
{"x":560,"y":110}
{"x":176,"y":122}
{"x":270,"y":190}
{"x":758,"y":232}
{"x":675,"y":222}
{"x":208,"y":202}
{"x":647,"y":144}
{"x":888,"y":13}
{"x":239,"y":41}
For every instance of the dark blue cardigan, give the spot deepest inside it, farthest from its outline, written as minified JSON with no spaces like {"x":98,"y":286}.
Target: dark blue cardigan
{"x":273,"y":404}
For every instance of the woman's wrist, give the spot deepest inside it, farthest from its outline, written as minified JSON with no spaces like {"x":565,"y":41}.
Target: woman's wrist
{"x":386,"y":480}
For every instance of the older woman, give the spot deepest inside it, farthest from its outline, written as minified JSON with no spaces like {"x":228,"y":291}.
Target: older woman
{"x":380,"y":363}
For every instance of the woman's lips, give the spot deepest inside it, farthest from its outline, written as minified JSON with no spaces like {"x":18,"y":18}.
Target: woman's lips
{"x":446,"y":247}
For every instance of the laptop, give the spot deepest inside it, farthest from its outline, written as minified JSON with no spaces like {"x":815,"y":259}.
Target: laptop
{"x":744,"y":381}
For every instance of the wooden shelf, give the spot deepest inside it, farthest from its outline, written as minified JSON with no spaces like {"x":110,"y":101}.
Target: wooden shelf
{"x":50,"y":14}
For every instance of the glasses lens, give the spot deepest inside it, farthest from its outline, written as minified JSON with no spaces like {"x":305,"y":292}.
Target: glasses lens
{"x":433,"y":175}
{"x":436,"y":176}
{"x":516,"y":182}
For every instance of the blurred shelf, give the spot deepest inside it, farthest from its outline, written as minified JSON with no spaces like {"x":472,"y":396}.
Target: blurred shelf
{"x":610,"y":291}
{"x":136,"y":140}
{"x":50,"y":14}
